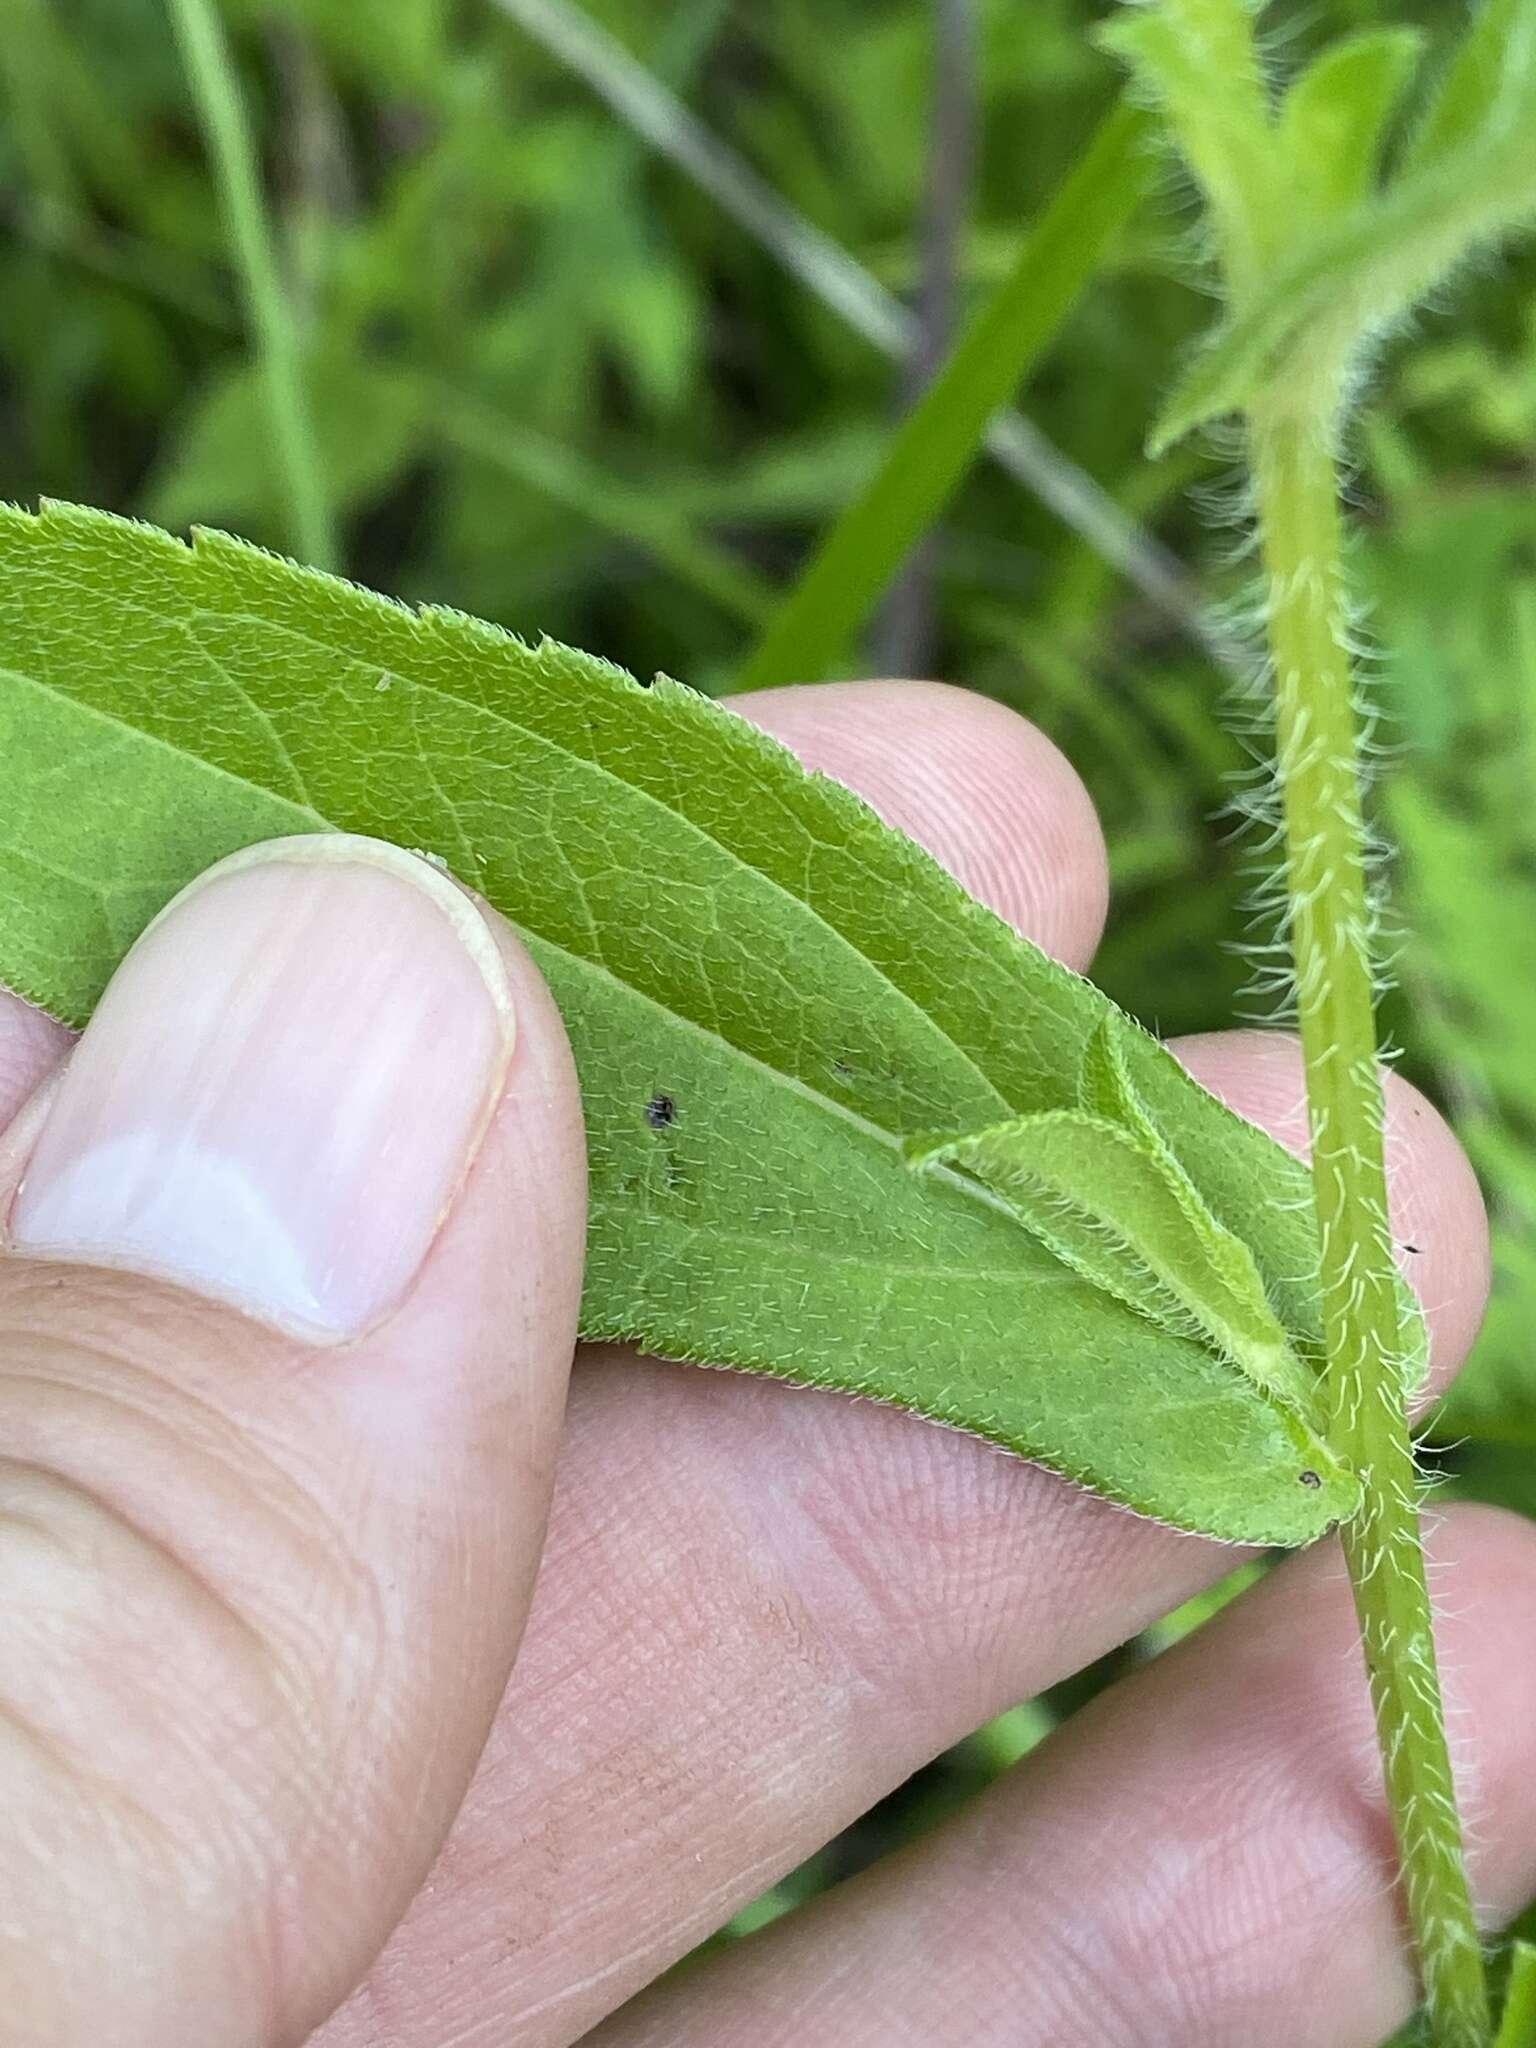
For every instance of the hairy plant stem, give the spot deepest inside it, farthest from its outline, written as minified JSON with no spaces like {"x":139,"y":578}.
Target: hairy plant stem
{"x":1317,"y":745}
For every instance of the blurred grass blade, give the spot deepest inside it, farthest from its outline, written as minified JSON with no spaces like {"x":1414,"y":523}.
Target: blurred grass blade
{"x":844,"y":286}
{"x":142,"y":268}
{"x":217,"y":94}
{"x":26,"y":69}
{"x":566,"y":478}
{"x":1017,"y":445}
{"x":904,"y":637}
{"x":935,"y":445}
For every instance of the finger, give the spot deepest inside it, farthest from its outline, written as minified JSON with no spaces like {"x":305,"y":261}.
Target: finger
{"x":1202,"y":1856}
{"x":761,"y":1610}
{"x":30,"y":1046}
{"x":285,"y":1321}
{"x":981,"y":788}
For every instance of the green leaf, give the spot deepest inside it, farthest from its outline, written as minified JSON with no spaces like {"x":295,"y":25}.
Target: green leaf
{"x":1334,"y":118}
{"x":1103,"y":1188}
{"x":1236,"y":1316}
{"x":1199,"y":61}
{"x":1307,"y":319}
{"x":766,"y":989}
{"x":936,"y":443}
{"x":1476,"y":80}
{"x":221,"y":462}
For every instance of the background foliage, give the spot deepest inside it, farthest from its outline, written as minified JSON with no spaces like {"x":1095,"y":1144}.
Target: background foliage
{"x":557,"y":385}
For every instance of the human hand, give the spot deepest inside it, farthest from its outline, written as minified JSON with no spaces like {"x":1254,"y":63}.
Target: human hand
{"x":269,"y":1518}
{"x":262,"y":1596}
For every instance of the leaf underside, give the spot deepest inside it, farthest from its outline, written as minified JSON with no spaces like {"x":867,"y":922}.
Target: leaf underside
{"x":727,"y":936}
{"x":1103,"y":1188}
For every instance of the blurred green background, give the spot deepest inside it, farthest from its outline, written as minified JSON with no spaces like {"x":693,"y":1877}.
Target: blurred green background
{"x":573,"y":384}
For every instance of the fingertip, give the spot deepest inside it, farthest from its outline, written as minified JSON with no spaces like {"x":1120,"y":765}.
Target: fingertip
{"x":299,"y":1240}
{"x":1441,"y":1223}
{"x":506,"y":1269}
{"x":983,"y":790}
{"x":467,"y":1376}
{"x":31,"y":1044}
{"x":1438,"y":1217}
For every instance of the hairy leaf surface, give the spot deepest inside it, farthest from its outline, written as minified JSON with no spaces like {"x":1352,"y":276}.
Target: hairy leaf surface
{"x":1129,"y":1220}
{"x":767,"y":990}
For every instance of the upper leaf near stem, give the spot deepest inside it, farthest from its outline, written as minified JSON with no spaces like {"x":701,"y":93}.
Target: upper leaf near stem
{"x":1104,"y":1188}
{"x":1333,"y":121}
{"x":1320,"y":257}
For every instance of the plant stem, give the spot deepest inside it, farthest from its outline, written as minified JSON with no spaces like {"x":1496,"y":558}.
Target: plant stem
{"x":217,"y":94}
{"x":1317,"y":745}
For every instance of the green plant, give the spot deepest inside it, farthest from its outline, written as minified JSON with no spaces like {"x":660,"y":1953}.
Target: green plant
{"x":926,"y":459}
{"x":526,"y":399}
{"x":1319,"y":261}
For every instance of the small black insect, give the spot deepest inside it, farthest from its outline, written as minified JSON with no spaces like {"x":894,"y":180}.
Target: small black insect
{"x":1407,"y":1247}
{"x":1310,"y":1479}
{"x":660,"y":1111}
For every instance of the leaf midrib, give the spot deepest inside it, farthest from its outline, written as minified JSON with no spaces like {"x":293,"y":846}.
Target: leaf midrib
{"x":335,"y":652}
{"x":827,"y":1104}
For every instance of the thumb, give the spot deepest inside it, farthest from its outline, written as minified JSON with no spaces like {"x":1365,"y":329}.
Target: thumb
{"x":287,"y":1305}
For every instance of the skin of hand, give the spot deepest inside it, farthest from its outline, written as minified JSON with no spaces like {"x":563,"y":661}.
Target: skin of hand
{"x":289,"y":1278}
